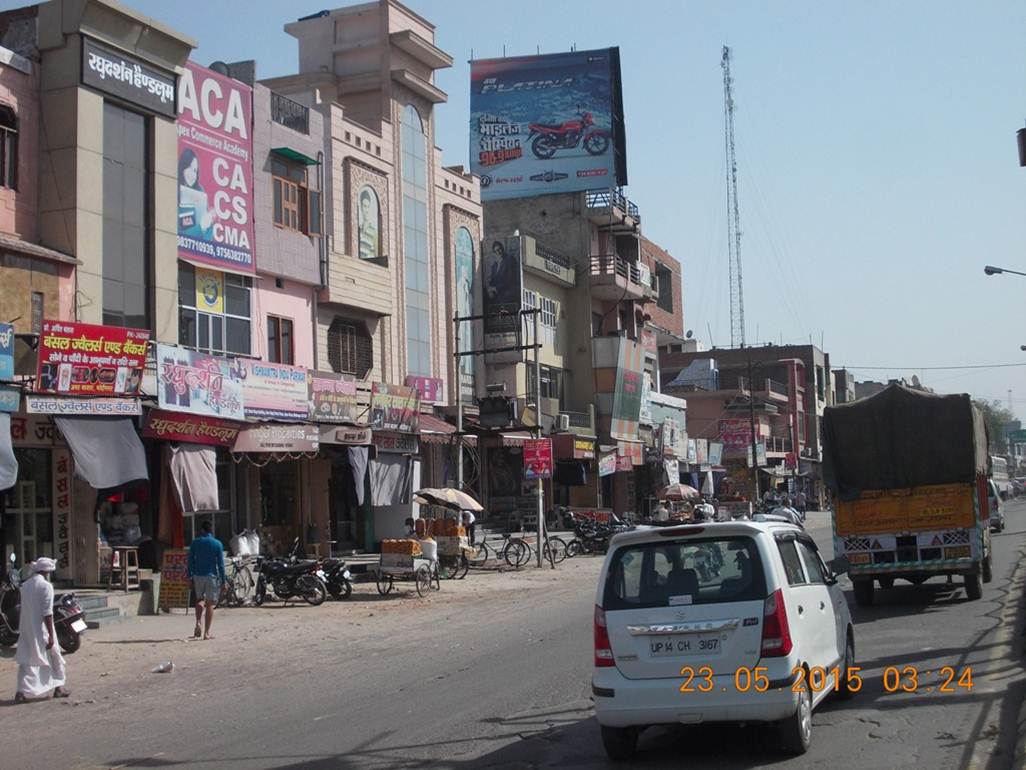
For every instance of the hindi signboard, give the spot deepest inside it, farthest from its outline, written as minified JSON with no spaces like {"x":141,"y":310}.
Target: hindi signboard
{"x":537,"y":458}
{"x":331,"y":397}
{"x":62,"y":470}
{"x":192,"y":428}
{"x":174,"y":579}
{"x":273,"y":437}
{"x":394,"y":408}
{"x":198,"y":383}
{"x":126,"y":77}
{"x":274,"y":391}
{"x":10,"y":396}
{"x":607,"y":464}
{"x":104,"y":407}
{"x":90,"y":360}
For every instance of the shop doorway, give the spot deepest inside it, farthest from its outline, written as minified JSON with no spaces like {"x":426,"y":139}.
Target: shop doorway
{"x":347,"y":524}
{"x":28,"y":509}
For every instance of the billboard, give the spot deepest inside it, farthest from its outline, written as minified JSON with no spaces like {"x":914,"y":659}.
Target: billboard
{"x":537,"y":458}
{"x":90,"y":360}
{"x":198,"y":383}
{"x":394,"y":407}
{"x":503,"y":281}
{"x":627,"y":396}
{"x":547,"y":124}
{"x":215,"y":170}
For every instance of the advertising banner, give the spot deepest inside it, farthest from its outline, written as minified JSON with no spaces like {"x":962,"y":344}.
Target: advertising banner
{"x":62,"y":477}
{"x":110,"y":407}
{"x":607,"y":464}
{"x":199,"y":383}
{"x":331,"y":397}
{"x":627,"y":395}
{"x":193,"y":428}
{"x":715,"y":452}
{"x":174,"y":579}
{"x":209,"y":291}
{"x":736,"y":435}
{"x":394,"y":407}
{"x":702,"y":451}
{"x":332,"y":434}
{"x":429,"y":388}
{"x":10,"y":396}
{"x":760,"y":454}
{"x":692,"y":452}
{"x":128,"y":78}
{"x":537,"y":459}
{"x":271,"y":437}
{"x":90,"y":360}
{"x":215,"y":170}
{"x":396,"y":443}
{"x":274,"y":391}
{"x":465,"y":289}
{"x":503,"y":297}
{"x":547,"y":124}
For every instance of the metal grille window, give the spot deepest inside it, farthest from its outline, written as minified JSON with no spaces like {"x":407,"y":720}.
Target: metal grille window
{"x":8,"y":148}
{"x":350,"y":347}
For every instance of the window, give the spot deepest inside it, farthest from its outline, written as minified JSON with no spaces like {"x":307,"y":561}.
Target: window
{"x":792,"y":564}
{"x":350,"y":347}
{"x":551,"y":382}
{"x":665,"y":278}
{"x":415,"y":243}
{"x":296,"y":206}
{"x":8,"y":148}
{"x":813,"y":566}
{"x":126,"y":219}
{"x":548,"y":318}
{"x":279,"y":340}
{"x":221,"y":327}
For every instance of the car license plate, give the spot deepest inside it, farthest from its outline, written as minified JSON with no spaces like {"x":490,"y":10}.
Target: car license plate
{"x":78,"y":626}
{"x":669,"y":646}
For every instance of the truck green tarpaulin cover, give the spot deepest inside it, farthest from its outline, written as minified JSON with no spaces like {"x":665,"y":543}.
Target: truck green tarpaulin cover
{"x":903,"y":438}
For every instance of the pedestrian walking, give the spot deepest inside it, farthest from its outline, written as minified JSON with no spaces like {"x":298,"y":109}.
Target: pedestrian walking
{"x":468,"y":523}
{"x":206,"y":570}
{"x":801,"y":501}
{"x":41,"y":668}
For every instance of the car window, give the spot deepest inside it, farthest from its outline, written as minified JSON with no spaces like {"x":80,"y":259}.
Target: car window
{"x":693,"y":571}
{"x":813,"y":566}
{"x":792,"y":564}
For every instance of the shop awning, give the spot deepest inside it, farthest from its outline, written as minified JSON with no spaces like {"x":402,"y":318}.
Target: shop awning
{"x":516,"y":439}
{"x":294,"y":155}
{"x":107,"y":450}
{"x":434,"y":430}
{"x":194,"y":472}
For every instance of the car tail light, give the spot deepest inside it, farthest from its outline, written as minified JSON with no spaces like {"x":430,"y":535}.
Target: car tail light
{"x":776,"y":633}
{"x":603,"y":649}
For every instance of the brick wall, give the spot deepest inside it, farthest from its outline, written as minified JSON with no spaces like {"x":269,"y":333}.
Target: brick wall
{"x":19,"y":90}
{"x":668,"y":312}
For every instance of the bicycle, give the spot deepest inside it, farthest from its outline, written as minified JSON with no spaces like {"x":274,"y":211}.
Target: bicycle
{"x":239,"y":583}
{"x":514,"y":551}
{"x":554,"y":549}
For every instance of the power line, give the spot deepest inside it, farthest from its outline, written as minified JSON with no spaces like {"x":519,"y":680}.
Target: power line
{"x":933,"y":368}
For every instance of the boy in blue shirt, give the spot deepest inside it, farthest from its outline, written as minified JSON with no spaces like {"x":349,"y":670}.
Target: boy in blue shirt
{"x":206,"y":570}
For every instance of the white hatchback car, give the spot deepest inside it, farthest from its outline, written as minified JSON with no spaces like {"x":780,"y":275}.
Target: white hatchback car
{"x":722,"y":622}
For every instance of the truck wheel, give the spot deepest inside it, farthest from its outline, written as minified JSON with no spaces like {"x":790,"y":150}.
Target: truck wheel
{"x":863,"y":592}
{"x":973,"y":586}
{"x":887,"y":582}
{"x":988,"y":570}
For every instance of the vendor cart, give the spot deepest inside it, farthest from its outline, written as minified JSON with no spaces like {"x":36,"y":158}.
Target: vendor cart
{"x":454,"y":555}
{"x":421,"y":570}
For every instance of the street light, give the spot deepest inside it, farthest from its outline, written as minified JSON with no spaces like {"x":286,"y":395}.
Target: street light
{"x":991,"y":270}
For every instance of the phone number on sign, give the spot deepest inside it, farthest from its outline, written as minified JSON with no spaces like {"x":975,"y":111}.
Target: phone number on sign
{"x":907,"y":679}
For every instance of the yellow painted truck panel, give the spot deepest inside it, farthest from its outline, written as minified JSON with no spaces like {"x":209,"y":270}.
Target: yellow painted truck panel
{"x":944,"y":506}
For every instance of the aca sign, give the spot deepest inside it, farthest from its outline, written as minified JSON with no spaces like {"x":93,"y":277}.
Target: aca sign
{"x":215,"y":169}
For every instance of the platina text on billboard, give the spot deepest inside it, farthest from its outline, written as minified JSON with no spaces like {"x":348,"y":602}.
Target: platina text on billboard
{"x":547,"y":124}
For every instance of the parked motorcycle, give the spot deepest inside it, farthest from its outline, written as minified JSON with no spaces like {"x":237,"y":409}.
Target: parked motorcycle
{"x":337,"y":578}
{"x":68,"y":615}
{"x":550,"y":137}
{"x":291,"y":578}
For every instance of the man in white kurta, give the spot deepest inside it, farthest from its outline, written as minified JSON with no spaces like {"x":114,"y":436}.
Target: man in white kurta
{"x":40,"y":664}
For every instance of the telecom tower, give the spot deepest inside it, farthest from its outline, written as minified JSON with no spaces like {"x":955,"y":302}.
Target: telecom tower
{"x":737,"y":294}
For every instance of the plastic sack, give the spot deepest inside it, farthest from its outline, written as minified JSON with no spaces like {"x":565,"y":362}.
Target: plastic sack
{"x":240,"y":545}
{"x":254,"y":542}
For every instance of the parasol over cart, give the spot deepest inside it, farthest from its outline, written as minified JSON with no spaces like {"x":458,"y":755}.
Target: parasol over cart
{"x":679,"y":492}
{"x":453,"y":548}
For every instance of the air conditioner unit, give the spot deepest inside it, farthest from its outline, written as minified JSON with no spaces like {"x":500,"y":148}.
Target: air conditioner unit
{"x":563,"y":423}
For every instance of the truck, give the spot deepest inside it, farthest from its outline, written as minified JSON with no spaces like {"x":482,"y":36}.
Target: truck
{"x":908,"y":471}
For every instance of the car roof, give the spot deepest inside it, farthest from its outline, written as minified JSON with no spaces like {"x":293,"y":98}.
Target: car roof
{"x":645,"y":534}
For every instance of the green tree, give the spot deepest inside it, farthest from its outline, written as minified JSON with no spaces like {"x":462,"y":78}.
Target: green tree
{"x":996,"y":416}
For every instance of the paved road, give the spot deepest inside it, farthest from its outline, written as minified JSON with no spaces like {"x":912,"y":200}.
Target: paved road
{"x":500,"y":679}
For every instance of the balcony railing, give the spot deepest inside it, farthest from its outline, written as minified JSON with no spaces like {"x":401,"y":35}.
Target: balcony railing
{"x":604,"y":199}
{"x":611,"y":264}
{"x":581,"y":422}
{"x":290,"y":114}
{"x":779,"y":388}
{"x":774,"y":444}
{"x":553,"y":256}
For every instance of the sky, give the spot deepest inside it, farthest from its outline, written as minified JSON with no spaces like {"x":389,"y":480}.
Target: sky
{"x":875,"y":143}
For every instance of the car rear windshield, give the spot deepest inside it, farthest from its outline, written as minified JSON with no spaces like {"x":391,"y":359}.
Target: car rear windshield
{"x":681,"y":572}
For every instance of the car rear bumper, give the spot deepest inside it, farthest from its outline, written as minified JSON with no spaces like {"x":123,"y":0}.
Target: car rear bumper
{"x":622,"y":702}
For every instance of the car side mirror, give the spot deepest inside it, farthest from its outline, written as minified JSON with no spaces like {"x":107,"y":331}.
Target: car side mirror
{"x":831,"y":579}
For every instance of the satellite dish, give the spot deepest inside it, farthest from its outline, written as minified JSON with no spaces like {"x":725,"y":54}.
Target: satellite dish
{"x":689,"y":335}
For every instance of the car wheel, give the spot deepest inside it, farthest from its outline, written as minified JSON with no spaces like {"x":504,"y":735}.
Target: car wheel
{"x":846,"y":690}
{"x":619,"y":742}
{"x":863,"y":592}
{"x":796,"y":730}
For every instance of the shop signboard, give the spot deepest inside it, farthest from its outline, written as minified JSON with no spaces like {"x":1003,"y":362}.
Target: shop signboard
{"x":331,"y":397}
{"x":692,"y":452}
{"x":537,"y":459}
{"x":192,"y":428}
{"x":607,"y":464}
{"x":547,"y":124}
{"x":10,"y":398}
{"x":394,"y":408}
{"x":351,"y":436}
{"x":6,"y":352}
{"x":715,"y":452}
{"x":396,"y":443}
{"x":128,"y":78}
{"x":760,"y":454}
{"x":629,"y":454}
{"x":673,"y":439}
{"x":736,"y":434}
{"x":568,"y":447}
{"x":199,"y":383}
{"x":275,"y":437}
{"x":502,"y":296}
{"x":174,"y":579}
{"x":701,"y":451}
{"x":274,"y":391}
{"x":584,"y":449}
{"x":62,"y":471}
{"x":1015,"y":436}
{"x":215,"y":170}
{"x":599,"y":515}
{"x":90,"y":360}
{"x":627,"y":395}
{"x":429,"y":388}
{"x":33,"y":430}
{"x":103,"y":407}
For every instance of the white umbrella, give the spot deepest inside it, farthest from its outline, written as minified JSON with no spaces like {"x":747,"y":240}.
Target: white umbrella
{"x":448,"y":498}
